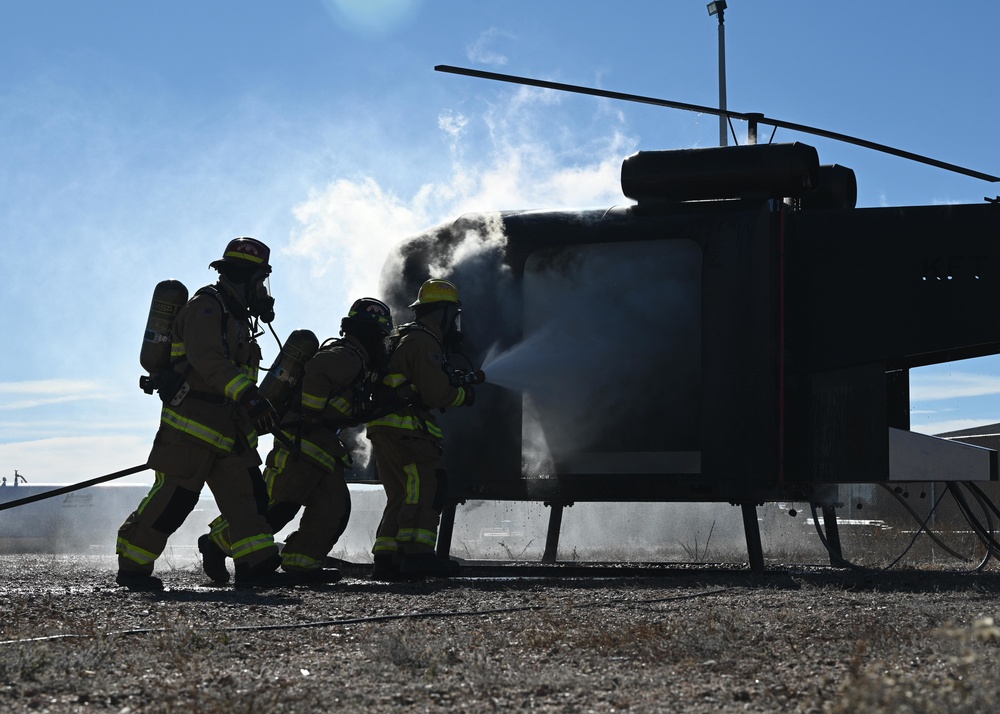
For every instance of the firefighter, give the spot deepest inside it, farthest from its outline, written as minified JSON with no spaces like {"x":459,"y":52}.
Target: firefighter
{"x":335,"y":390}
{"x":212,"y":412}
{"x":407,"y":443}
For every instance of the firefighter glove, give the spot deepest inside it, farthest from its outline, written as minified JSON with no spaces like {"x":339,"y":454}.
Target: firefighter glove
{"x":260,"y":412}
{"x":168,"y":385}
{"x":311,"y":420}
{"x":470,"y":396}
{"x":460,"y":378}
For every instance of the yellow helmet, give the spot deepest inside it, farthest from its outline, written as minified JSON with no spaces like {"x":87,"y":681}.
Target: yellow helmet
{"x":437,"y":290}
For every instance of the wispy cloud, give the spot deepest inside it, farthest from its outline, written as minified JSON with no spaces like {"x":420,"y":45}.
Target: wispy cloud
{"x":948,"y":425}
{"x":35,"y":393}
{"x":482,"y":50}
{"x":956,"y":385}
{"x":452,"y":124}
{"x":71,"y":459}
{"x":47,"y":386}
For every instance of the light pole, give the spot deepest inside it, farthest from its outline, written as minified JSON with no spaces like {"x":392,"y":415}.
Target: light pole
{"x":719,"y":8}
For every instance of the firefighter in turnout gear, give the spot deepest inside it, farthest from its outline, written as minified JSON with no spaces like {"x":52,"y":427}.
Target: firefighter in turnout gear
{"x":407,"y":443}
{"x":212,"y":413}
{"x":335,"y":390}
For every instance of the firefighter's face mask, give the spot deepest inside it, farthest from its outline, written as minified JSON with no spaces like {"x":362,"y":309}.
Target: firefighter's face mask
{"x":452,"y":327}
{"x":259,"y":300}
{"x":378,"y":351}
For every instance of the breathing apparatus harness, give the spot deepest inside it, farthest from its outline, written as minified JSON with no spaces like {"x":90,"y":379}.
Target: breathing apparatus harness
{"x":174,"y":387}
{"x":450,"y":348}
{"x":361,"y":384}
{"x":361,"y":394}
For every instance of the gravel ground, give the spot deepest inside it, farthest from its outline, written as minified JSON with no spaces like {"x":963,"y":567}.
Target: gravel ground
{"x":800,"y":639}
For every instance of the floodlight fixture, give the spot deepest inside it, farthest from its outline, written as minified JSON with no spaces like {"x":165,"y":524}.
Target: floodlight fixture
{"x":716,"y":8}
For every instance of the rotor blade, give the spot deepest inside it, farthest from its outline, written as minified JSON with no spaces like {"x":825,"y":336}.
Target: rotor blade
{"x":587,"y":90}
{"x":879,"y":147}
{"x":759,"y":118}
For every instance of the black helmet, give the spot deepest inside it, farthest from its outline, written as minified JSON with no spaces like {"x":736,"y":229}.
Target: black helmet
{"x":244,"y":253}
{"x":244,"y":264}
{"x":368,"y":315}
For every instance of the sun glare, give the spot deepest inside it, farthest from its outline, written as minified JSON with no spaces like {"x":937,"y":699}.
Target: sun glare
{"x":372,"y":18}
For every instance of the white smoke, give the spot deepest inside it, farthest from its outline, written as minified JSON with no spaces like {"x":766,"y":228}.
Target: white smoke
{"x":349,"y":229}
{"x":611,"y":345}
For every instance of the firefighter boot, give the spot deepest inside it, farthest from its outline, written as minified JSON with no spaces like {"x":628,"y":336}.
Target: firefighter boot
{"x":263,"y":575}
{"x":213,"y":560}
{"x":385,"y":568}
{"x":319,"y":576}
{"x":428,"y":564}
{"x":137,"y":581}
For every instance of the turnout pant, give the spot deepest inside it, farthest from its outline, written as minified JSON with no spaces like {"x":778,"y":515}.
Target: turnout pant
{"x":407,"y":468}
{"x":327,"y":502}
{"x":239,"y":492}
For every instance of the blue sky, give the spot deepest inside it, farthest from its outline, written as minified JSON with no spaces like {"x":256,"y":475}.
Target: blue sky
{"x":136,"y":138}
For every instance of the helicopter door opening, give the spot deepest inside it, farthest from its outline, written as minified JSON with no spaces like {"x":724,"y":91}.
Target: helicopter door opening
{"x":956,"y":402}
{"x":616,"y":329}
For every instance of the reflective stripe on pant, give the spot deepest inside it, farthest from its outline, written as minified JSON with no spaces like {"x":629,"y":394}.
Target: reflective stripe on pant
{"x":143,"y":535}
{"x":324,"y":519}
{"x":327,"y":502}
{"x":239,"y":492}
{"x":407,"y":468}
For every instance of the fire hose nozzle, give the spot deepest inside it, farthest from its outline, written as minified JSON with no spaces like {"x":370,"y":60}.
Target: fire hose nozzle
{"x":461,"y":378}
{"x":475,"y":377}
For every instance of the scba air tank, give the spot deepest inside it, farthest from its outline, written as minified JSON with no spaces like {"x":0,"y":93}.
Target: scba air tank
{"x":288,"y":369}
{"x":169,"y":296}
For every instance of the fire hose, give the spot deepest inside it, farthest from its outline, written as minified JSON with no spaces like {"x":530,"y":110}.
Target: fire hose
{"x":75,"y":487}
{"x":366,"y":620}
{"x":101,"y":479}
